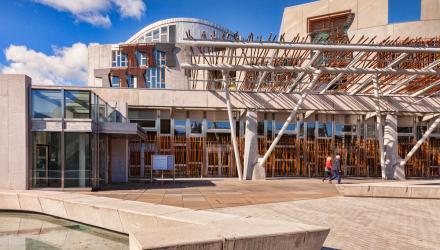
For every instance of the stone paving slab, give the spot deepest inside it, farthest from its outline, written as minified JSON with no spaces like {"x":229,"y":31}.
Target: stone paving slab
{"x":216,"y":193}
{"x":359,"y":223}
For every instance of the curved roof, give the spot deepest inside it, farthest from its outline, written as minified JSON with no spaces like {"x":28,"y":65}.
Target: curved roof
{"x":174,"y":20}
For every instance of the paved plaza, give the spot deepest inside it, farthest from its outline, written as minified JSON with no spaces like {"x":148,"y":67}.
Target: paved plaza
{"x":217,"y":193}
{"x":356,"y":223}
{"x":360,"y":223}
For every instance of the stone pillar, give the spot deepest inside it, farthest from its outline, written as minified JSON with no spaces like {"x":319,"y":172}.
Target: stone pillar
{"x":250,"y":144}
{"x":390,"y":145}
{"x":82,"y":160}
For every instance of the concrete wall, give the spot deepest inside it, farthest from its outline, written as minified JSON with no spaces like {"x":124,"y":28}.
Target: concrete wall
{"x":14,"y":131}
{"x":243,"y":100}
{"x":119,"y":160}
{"x":100,"y":57}
{"x":371,"y":18}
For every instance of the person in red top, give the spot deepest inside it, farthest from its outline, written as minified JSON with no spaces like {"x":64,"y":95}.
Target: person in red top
{"x":328,"y":169}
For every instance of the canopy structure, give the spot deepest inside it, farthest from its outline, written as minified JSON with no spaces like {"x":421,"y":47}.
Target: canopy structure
{"x":402,"y":67}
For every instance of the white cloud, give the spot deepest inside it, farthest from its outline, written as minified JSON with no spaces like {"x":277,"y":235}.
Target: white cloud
{"x":67,"y":65}
{"x":130,"y":8}
{"x":96,"y":12}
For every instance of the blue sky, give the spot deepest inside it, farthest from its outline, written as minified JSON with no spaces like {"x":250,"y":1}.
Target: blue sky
{"x":40,"y":27}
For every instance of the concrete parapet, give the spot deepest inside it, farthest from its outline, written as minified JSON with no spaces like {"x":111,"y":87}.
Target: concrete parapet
{"x":393,"y":189}
{"x":152,"y":226}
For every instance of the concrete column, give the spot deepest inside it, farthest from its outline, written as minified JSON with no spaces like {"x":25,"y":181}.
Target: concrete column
{"x":390,"y":145}
{"x":250,"y":145}
{"x":15,"y":135}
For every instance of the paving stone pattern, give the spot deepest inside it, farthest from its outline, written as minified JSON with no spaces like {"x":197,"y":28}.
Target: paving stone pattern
{"x":360,"y":223}
{"x":217,"y":193}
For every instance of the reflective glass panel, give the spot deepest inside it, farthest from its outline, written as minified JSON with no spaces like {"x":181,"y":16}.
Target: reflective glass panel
{"x":46,"y":103}
{"x":219,"y":125}
{"x":46,"y":167}
{"x":325,"y":129}
{"x":196,"y":127}
{"x":179,"y":127}
{"x":165,"y":126}
{"x":77,"y":165}
{"x":77,"y":104}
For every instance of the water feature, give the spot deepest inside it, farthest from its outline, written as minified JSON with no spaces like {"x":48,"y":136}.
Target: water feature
{"x":34,"y":231}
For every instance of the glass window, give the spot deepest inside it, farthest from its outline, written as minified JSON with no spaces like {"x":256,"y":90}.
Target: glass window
{"x":46,"y":167}
{"x":156,"y":35}
{"x":342,"y":128}
{"x":145,"y":123}
{"x":165,"y":126}
{"x":77,"y":165}
{"x":290,"y":127}
{"x":311,"y":130}
{"x":371,"y":131}
{"x":131,"y":81}
{"x":301,"y":129}
{"x":142,"y":58}
{"x":77,"y":104}
{"x":119,"y":59}
{"x":164,"y":34}
{"x":155,"y":77}
{"x":116,"y":82}
{"x":196,"y":127}
{"x":325,"y":129}
{"x":269,"y":129}
{"x":179,"y":127}
{"x":219,"y":125}
{"x":46,"y":103}
{"x":149,"y":37}
{"x":260,"y":128}
{"x":405,"y":130}
{"x":420,"y":131}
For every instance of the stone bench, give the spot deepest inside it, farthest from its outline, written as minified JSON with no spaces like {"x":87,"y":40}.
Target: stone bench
{"x":393,"y":189}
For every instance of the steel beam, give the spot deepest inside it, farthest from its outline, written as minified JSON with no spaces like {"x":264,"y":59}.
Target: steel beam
{"x":379,"y":125}
{"x":292,"y":115}
{"x":232,"y":125}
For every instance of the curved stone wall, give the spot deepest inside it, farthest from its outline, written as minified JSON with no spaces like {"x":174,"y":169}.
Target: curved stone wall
{"x":152,"y":226}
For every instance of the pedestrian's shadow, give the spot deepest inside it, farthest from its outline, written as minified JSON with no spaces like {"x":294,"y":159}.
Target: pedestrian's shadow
{"x":329,"y":248}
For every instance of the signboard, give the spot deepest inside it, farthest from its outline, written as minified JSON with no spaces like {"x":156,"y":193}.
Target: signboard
{"x":162,"y":162}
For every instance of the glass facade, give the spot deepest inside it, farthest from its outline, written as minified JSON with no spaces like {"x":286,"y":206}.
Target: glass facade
{"x":77,"y":163}
{"x":46,"y":103}
{"x":47,"y":167}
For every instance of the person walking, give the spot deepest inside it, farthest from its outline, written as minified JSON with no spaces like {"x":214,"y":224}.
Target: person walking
{"x":328,"y":169}
{"x":336,"y":169}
